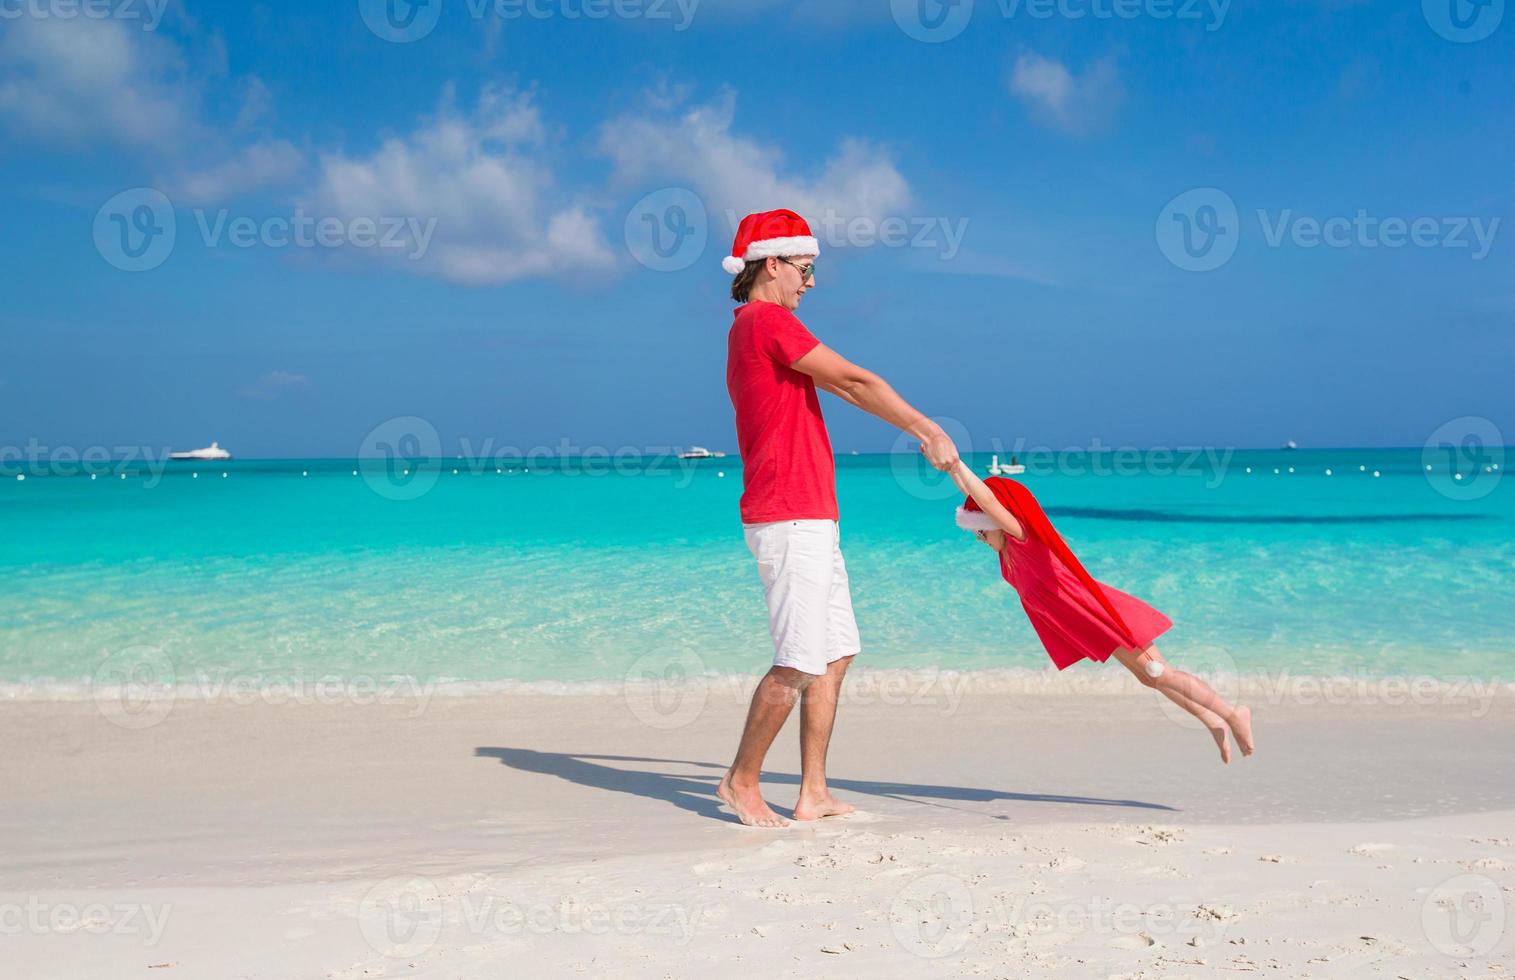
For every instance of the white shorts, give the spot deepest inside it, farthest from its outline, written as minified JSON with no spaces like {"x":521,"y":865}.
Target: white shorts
{"x":805,"y":585}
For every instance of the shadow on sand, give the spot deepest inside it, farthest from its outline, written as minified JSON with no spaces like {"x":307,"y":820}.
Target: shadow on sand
{"x":696,"y":793}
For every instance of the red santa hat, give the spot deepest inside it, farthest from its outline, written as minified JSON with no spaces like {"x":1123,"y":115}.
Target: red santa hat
{"x":971,"y":517}
{"x":767,"y":234}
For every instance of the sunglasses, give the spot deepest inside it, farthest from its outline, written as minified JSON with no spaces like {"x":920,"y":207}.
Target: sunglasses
{"x":807,"y":272}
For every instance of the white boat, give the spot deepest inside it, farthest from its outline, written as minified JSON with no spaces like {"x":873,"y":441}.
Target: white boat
{"x":1291,"y":444}
{"x":1011,"y":468}
{"x":698,"y":452}
{"x":213,"y":451}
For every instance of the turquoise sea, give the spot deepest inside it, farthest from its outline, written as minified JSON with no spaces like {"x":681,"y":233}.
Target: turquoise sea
{"x":274,"y":571}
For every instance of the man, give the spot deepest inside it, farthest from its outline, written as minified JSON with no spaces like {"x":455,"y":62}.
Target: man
{"x":788,"y":506}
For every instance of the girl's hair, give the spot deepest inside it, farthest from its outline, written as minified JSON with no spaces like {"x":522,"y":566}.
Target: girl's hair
{"x":742,"y":285}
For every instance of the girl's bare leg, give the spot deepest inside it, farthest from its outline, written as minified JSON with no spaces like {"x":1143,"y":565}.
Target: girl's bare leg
{"x":1194,"y":696}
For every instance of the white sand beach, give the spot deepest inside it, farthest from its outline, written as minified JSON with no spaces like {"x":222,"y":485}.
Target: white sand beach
{"x":1002,"y":831}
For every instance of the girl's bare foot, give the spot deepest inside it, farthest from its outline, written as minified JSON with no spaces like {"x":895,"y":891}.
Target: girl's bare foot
{"x":748,"y":805}
{"x":1241,"y":727}
{"x":1218,"y":732}
{"x":816,"y":807}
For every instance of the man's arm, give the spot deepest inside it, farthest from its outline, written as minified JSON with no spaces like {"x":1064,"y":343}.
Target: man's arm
{"x":860,"y":387}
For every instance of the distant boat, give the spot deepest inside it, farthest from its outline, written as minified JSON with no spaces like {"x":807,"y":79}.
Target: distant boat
{"x":213,"y":451}
{"x":699,"y":452}
{"x":1291,"y":444}
{"x":1011,"y":468}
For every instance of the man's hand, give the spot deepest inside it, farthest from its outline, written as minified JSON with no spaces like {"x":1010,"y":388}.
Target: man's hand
{"x":940,"y":450}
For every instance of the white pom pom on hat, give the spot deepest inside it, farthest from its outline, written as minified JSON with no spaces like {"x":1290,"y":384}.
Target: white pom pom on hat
{"x":766,"y":234}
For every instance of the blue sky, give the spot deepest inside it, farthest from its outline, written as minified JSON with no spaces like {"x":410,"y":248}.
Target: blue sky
{"x":1036,"y":283}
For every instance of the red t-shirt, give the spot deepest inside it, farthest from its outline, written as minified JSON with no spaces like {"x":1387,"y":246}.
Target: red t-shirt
{"x":788,"y":471}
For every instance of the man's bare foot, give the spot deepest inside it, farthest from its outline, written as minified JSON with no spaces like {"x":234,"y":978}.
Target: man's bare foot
{"x":748,"y":805}
{"x":1218,"y":732}
{"x":816,"y":807}
{"x":1241,"y":727}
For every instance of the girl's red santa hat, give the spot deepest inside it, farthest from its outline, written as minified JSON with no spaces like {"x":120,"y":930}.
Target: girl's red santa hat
{"x":769,"y":234}
{"x":971,"y":517}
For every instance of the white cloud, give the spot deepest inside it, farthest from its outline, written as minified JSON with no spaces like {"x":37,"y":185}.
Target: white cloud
{"x":91,"y":81}
{"x":76,"y":81}
{"x":257,"y":166}
{"x":697,"y":148}
{"x":1077,"y":104}
{"x":485,"y":179}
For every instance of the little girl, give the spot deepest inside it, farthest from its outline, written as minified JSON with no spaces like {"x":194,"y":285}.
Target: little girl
{"x":1076,"y":617}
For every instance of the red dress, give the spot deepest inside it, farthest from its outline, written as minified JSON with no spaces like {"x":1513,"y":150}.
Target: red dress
{"x":1071,"y":623}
